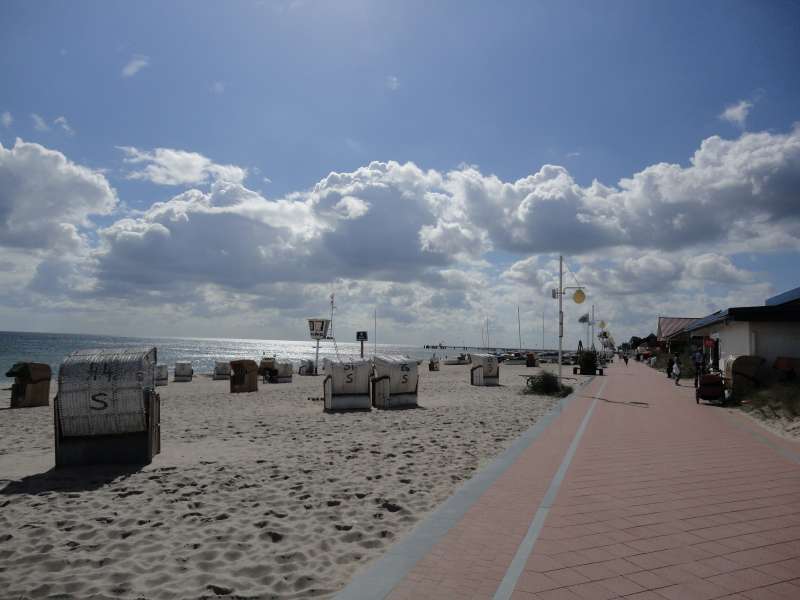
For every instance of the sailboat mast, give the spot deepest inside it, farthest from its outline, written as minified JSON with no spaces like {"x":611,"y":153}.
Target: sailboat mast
{"x":519,"y":329}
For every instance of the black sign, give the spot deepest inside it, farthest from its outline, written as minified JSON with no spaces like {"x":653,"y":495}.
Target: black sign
{"x":361,"y":336}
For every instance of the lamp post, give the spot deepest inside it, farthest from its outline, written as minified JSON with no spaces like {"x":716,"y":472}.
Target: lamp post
{"x":579,"y":296}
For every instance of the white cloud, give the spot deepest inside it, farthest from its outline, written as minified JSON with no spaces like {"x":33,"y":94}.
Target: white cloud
{"x":167,"y":166}
{"x":39,"y":124}
{"x":737,"y":113}
{"x":716,"y":268}
{"x":415,"y":241}
{"x":392,"y":83}
{"x":6,"y":119}
{"x":733,"y":190}
{"x":64,"y":124}
{"x":136,"y":63}
{"x":218,"y":87}
{"x":45,"y":199}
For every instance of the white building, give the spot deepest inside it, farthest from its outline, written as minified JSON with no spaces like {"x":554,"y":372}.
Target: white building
{"x":768,"y":331}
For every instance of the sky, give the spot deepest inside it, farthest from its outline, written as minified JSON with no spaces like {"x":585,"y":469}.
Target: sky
{"x":219,"y":169}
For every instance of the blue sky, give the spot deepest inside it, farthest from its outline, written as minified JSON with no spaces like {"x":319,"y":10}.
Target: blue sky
{"x":290,"y":91}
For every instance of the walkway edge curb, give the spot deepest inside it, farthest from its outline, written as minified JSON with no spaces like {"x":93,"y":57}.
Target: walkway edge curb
{"x":509,"y":582}
{"x":379,"y":579}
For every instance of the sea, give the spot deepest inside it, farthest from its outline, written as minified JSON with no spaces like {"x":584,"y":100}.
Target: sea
{"x":51,"y":348}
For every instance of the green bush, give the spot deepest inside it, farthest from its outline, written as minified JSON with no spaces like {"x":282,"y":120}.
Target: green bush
{"x":588,"y":361}
{"x":546,"y":384}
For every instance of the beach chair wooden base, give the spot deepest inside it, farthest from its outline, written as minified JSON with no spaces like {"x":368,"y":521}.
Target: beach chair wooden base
{"x":397,"y":401}
{"x":29,"y":395}
{"x":476,"y":377}
{"x":119,"y":449}
{"x":344,"y":402}
{"x":181,"y":378}
{"x":162,"y":382}
{"x":281,"y":379}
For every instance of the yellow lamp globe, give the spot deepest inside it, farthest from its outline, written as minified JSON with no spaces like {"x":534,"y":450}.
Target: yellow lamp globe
{"x":578,"y":296}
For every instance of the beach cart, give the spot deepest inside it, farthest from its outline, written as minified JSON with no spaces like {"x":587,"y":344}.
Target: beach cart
{"x":710,"y":388}
{"x":106,"y":409}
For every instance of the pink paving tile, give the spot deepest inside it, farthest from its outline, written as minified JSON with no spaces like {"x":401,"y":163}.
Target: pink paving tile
{"x":697,"y":590}
{"x":592,"y":591}
{"x":535,"y":582}
{"x":743,"y":580}
{"x":560,"y":594}
{"x":649,"y":580}
{"x":567,"y":577}
{"x":622,"y":585}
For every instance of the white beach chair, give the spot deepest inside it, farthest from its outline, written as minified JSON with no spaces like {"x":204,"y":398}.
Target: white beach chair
{"x":106,"y":409}
{"x":222,"y":370}
{"x":183,"y":371}
{"x":162,"y":375}
{"x":282,"y":372}
{"x":346,"y":384}
{"x":485,"y":370}
{"x":395,"y":382}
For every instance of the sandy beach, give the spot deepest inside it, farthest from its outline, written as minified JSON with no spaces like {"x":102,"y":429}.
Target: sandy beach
{"x":257,"y":495}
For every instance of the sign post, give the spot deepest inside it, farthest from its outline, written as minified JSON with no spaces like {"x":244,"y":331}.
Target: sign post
{"x":361,"y":336}
{"x":318,"y":328}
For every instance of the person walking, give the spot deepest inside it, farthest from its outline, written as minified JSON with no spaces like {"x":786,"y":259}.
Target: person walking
{"x":676,"y":370}
{"x":625,"y":358}
{"x":697,"y":360}
{"x":670,"y":364}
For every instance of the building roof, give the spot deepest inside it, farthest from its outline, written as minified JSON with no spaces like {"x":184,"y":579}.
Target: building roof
{"x":670,"y":326}
{"x":781,"y":313}
{"x":783,"y":298}
{"x":784,"y":307}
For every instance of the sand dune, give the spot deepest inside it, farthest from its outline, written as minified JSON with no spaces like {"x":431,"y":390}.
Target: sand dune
{"x":256,"y":495}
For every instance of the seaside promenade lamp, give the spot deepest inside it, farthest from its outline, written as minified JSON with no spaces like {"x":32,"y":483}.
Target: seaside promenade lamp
{"x":579,"y":296}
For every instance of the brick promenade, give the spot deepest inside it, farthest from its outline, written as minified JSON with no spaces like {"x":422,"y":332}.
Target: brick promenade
{"x":659,"y":499}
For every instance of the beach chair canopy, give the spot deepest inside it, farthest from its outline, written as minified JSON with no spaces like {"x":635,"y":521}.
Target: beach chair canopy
{"x":402,"y":372}
{"x":30,"y":372}
{"x":348,"y":376}
{"x":102,"y":392}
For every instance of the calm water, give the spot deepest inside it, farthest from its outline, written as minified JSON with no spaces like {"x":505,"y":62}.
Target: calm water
{"x":51,"y":348}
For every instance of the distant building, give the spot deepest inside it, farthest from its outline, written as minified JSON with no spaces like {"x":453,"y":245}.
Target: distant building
{"x":769,"y":331}
{"x":671,"y":332}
